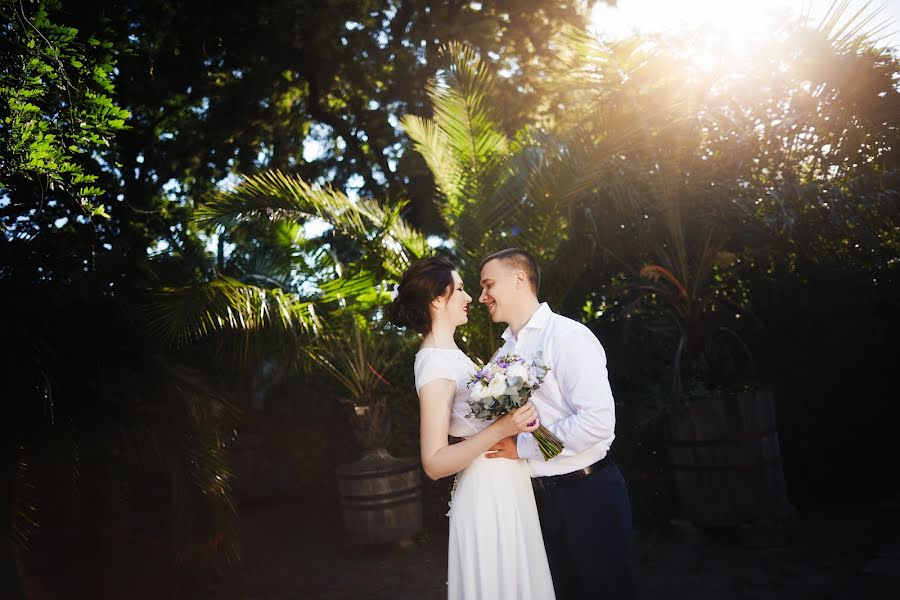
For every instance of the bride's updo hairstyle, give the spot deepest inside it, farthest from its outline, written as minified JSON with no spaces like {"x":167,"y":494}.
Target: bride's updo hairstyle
{"x":423,"y":281}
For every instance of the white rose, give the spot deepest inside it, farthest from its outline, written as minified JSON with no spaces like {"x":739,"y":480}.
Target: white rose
{"x":478,"y":391}
{"x":518,"y":371}
{"x":497,"y":386}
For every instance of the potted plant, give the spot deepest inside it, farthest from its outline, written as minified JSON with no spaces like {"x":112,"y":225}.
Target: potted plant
{"x":381,"y":495}
{"x":721,"y":434}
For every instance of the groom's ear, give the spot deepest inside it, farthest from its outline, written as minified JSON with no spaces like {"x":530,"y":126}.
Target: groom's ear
{"x":521,"y":279}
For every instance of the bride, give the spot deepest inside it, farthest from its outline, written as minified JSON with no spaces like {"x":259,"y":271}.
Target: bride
{"x":495,"y":548}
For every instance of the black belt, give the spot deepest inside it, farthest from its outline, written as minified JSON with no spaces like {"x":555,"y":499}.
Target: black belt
{"x":542,"y":483}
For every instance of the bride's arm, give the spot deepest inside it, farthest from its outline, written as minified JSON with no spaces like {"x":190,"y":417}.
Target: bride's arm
{"x":439,"y":458}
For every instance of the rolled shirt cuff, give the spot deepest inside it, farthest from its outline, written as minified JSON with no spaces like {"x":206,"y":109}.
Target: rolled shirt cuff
{"x":527,"y":446}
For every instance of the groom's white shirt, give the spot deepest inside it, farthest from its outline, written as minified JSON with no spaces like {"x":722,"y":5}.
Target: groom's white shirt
{"x":575,"y":401}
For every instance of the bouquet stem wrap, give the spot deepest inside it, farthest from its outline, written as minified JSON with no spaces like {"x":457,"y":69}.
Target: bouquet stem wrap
{"x":549,"y":444}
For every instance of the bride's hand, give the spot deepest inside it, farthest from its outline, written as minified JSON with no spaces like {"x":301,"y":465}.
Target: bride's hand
{"x":524,"y":419}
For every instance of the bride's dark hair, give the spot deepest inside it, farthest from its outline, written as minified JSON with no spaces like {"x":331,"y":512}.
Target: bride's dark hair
{"x":423,"y":281}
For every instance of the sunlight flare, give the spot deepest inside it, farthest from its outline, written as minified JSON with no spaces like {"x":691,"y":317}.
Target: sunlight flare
{"x":720,"y":33}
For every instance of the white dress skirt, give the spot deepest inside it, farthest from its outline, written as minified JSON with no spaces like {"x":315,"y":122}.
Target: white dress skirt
{"x":496,"y":551}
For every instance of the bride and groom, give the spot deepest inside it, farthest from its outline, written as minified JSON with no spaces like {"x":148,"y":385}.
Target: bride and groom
{"x":520,"y":527}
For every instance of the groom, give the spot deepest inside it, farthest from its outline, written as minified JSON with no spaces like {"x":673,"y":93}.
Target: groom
{"x":581,"y":495}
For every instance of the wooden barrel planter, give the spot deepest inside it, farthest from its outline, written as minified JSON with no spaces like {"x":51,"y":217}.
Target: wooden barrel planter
{"x":381,"y":498}
{"x":725,"y":460}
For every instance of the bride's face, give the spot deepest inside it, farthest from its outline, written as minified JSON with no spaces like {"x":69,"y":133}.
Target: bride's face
{"x":456,"y":303}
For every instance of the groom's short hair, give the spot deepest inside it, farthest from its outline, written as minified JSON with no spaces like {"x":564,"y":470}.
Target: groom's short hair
{"x":519,"y":259}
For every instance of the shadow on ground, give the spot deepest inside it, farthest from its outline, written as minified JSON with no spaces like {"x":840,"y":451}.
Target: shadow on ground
{"x":292,"y":549}
{"x":839,"y":552}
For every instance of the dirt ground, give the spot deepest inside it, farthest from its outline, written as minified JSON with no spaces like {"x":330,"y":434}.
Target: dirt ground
{"x":292,"y":549}
{"x":840,"y":552}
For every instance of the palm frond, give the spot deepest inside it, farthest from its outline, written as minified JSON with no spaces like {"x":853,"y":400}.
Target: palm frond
{"x":464,"y":108}
{"x":473,"y":136}
{"x":463,"y":145}
{"x":353,"y":352}
{"x":657,"y":273}
{"x":275,"y":196}
{"x":849,"y":32}
{"x":400,"y":242}
{"x":182,"y":315}
{"x":432,"y":144}
{"x":359,"y":287}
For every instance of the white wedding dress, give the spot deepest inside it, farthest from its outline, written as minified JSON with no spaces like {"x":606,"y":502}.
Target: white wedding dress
{"x":496,"y":551}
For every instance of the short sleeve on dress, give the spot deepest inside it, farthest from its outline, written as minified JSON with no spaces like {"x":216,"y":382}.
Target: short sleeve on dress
{"x":432,"y":366}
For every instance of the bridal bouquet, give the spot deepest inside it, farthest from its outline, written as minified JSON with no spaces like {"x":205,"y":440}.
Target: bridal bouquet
{"x":505,"y":384}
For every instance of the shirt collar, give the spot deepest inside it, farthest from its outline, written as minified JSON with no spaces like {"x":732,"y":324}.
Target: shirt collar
{"x":537,"y":321}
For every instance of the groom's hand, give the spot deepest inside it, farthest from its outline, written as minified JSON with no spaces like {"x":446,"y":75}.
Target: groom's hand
{"x":505,"y":448}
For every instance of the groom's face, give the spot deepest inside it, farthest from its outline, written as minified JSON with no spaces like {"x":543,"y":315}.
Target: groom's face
{"x":498,"y":289}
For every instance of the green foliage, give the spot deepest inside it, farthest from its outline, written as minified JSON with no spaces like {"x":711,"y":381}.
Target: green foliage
{"x":275,"y":196}
{"x":107,"y":424}
{"x":267,"y":297}
{"x":492,"y":193}
{"x":369,"y":242}
{"x":693,"y":181}
{"x":57,"y":111}
{"x":484,"y":179}
{"x":193,"y":312}
{"x":357,"y":355}
{"x":662,"y":200}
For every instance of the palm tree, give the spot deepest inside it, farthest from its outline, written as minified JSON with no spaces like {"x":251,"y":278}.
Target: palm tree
{"x":259,"y":295}
{"x":294,"y":302}
{"x":276,"y":293}
{"x":493,"y":190}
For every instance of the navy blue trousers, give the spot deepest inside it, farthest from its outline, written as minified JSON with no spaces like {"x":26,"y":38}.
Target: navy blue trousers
{"x":587,"y":533}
